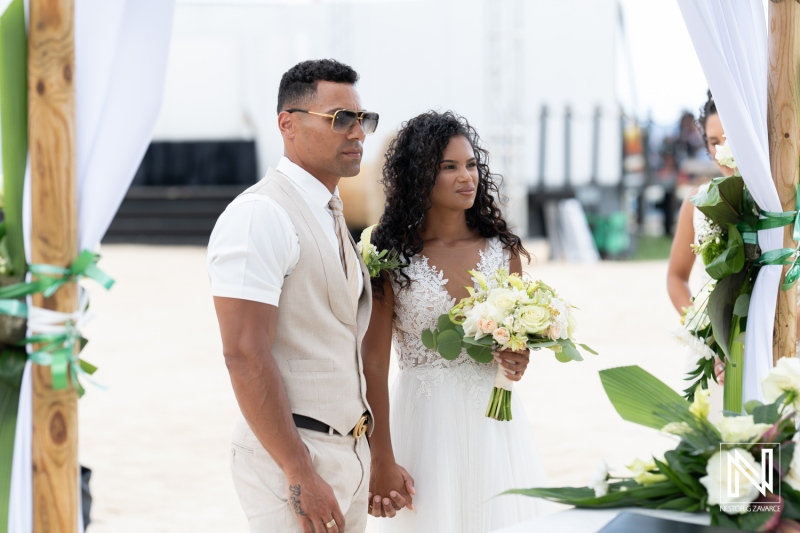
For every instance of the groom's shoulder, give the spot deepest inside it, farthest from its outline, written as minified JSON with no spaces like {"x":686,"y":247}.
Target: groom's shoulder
{"x":264,"y":186}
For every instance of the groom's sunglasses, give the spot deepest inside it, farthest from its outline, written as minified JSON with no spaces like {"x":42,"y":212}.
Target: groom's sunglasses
{"x":344,"y":119}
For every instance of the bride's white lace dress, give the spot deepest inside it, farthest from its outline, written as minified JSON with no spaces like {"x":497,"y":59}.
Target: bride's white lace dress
{"x":458,"y":458}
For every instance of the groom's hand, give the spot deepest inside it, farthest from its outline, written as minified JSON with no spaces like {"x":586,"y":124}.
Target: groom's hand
{"x":514,"y":363}
{"x":314,"y":504}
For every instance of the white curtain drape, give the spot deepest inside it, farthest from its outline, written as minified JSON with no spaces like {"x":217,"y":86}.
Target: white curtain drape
{"x":121,"y":52}
{"x":730,"y":38}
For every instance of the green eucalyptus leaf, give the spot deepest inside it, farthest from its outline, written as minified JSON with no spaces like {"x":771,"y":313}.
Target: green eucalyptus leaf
{"x":444,"y":323}
{"x":449,"y":344}
{"x":585,"y":347}
{"x":483,"y":341}
{"x":481,"y":354}
{"x":429,"y":339}
{"x":569,"y":351}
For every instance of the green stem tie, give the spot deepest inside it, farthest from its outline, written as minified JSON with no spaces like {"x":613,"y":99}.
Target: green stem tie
{"x":58,"y":351}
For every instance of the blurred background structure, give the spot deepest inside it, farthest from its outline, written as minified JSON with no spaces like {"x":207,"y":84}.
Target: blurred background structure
{"x":548,"y":85}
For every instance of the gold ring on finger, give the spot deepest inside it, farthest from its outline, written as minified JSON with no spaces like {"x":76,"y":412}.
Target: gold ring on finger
{"x":331,"y":524}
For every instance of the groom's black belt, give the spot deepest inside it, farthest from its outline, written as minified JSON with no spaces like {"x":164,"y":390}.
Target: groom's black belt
{"x":313,"y":424}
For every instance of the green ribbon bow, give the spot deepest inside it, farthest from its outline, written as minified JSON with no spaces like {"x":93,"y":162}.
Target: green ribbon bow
{"x":783,"y":256}
{"x":59,"y":351}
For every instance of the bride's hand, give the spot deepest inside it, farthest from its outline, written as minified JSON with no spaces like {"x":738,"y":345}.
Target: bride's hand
{"x":390,"y":489}
{"x":514,"y":363}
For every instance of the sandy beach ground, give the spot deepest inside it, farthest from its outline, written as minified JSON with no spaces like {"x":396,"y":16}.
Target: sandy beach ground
{"x":157,"y":439}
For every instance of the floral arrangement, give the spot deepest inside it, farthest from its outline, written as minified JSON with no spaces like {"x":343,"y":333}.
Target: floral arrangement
{"x":714,"y":325}
{"x":376,"y":261}
{"x":697,"y":474}
{"x":505,"y":313}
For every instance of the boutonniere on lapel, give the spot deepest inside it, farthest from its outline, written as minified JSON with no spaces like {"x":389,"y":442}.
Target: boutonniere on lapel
{"x":376,"y":261}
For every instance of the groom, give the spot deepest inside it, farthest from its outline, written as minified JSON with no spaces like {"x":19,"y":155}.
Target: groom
{"x":293,"y":301}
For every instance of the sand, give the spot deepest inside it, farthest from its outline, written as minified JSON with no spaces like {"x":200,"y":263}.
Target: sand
{"x":157,"y":439}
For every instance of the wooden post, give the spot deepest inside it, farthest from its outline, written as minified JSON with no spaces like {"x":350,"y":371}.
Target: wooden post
{"x":784,"y":128}
{"x":51,"y":93}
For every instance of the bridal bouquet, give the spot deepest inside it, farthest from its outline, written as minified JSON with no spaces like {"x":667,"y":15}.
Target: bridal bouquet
{"x":376,"y":261}
{"x":743,"y":470}
{"x":505,"y":313}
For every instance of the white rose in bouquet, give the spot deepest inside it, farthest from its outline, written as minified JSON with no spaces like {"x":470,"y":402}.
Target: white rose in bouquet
{"x":716,"y":480}
{"x":784,"y":378}
{"x":503,"y":300}
{"x":534,"y":319}
{"x":740,"y":428}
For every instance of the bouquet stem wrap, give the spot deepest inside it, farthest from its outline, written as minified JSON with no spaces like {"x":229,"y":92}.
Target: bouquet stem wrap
{"x":500,"y":401}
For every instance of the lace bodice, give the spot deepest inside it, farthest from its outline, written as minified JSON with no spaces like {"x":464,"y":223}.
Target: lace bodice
{"x":419,"y":306}
{"x":699,"y":220}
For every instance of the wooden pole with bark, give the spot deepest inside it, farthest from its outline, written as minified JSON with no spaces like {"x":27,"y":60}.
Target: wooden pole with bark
{"x":784,"y":145}
{"x":51,"y":120}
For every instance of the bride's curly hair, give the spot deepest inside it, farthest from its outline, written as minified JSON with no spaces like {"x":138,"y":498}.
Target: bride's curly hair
{"x":409,"y":175}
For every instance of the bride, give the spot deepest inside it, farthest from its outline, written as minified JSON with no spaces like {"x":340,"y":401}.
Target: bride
{"x":442,"y":219}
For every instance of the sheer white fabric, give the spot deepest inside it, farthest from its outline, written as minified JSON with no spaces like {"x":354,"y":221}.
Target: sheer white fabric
{"x":730,"y":39}
{"x":459,"y":458}
{"x":121,"y":51}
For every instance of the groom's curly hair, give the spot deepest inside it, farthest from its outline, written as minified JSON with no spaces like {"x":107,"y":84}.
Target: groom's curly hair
{"x":299,"y":83}
{"x":409,"y":175}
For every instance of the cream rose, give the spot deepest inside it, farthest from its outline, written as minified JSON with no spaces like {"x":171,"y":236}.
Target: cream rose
{"x":487,"y":325}
{"x":501,"y":336}
{"x":534,"y":319}
{"x":717,"y":483}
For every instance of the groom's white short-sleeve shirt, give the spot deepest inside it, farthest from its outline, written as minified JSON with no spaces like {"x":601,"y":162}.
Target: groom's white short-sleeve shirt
{"x":254,"y":244}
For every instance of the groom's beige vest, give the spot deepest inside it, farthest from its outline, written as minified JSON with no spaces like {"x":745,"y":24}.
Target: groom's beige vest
{"x":318,"y":338}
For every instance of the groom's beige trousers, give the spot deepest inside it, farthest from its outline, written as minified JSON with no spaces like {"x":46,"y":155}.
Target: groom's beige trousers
{"x":343,"y":462}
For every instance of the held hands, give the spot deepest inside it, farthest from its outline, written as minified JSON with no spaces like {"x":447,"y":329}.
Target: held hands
{"x":390,"y":489}
{"x":514,"y":363}
{"x":314,"y":503}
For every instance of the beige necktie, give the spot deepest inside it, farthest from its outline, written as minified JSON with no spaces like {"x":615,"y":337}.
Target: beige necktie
{"x":347,"y":253}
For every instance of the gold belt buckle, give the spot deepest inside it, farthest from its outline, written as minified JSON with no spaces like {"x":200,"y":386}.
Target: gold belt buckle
{"x":361,"y":427}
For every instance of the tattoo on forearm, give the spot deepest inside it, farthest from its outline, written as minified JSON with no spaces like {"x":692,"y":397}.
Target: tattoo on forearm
{"x":294,"y":500}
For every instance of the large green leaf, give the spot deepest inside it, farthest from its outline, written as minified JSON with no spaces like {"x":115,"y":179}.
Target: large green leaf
{"x":655,"y":495}
{"x":720,"y":307}
{"x":641,"y":398}
{"x":722,"y":201}
{"x":429,"y":339}
{"x":14,"y":124}
{"x":11,"y":362}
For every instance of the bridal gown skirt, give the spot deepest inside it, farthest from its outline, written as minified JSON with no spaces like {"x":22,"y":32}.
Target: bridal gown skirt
{"x":460,"y":459}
